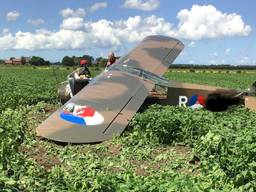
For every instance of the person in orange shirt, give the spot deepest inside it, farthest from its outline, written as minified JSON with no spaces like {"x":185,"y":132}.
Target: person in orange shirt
{"x":111,"y":59}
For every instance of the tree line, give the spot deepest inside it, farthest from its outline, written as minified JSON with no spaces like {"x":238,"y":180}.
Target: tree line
{"x":74,"y":61}
{"x":70,"y":61}
{"x":101,"y":62}
{"x":66,"y":61}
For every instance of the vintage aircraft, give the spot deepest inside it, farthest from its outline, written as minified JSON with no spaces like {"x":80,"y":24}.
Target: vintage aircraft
{"x":104,"y":107}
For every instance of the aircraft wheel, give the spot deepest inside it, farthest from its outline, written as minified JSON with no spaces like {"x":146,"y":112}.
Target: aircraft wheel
{"x":64,"y":92}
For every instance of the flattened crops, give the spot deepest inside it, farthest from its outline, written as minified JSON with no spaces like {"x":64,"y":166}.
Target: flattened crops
{"x":163,"y":149}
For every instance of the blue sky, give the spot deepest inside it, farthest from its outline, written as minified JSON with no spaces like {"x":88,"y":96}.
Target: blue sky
{"x":214,"y":31}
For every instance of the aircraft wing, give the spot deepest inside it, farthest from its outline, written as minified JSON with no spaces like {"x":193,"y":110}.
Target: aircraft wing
{"x":154,"y":54}
{"x":104,"y":107}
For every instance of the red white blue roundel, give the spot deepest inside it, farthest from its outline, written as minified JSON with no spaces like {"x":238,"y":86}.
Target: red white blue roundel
{"x":82,"y":115}
{"x":196,"y":102}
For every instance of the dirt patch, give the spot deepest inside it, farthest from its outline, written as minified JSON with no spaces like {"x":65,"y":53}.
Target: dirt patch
{"x":141,"y":171}
{"x":141,"y":167}
{"x":114,"y":150}
{"x":23,"y":149}
{"x":135,"y":162}
{"x":189,"y":171}
{"x":45,"y":160}
{"x":40,"y":156}
{"x":115,"y":169}
{"x":170,"y":155}
{"x":182,"y":151}
{"x":50,"y":108}
{"x":159,"y":151}
{"x":33,"y":120}
{"x":179,"y":151}
{"x":157,"y":166}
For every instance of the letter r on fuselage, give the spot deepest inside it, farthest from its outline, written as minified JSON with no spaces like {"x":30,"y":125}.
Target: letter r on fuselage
{"x":183,"y":101}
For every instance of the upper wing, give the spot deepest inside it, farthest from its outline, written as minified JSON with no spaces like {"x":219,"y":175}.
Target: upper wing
{"x":154,"y":54}
{"x":109,"y":101}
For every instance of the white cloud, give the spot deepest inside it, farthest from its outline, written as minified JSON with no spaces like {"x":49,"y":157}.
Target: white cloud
{"x":43,"y":31}
{"x":7,"y":41}
{"x":103,"y":33}
{"x":72,"y":23}
{"x":63,"y":39}
{"x":98,"y":5}
{"x":227,"y":51}
{"x":76,"y":32}
{"x":207,"y":22}
{"x":191,"y":44}
{"x":145,"y":5}
{"x":12,"y":16}
{"x":215,"y":54}
{"x":80,"y":12}
{"x":35,"y":21}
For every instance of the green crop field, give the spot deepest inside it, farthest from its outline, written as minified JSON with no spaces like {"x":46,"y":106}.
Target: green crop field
{"x":163,"y":149}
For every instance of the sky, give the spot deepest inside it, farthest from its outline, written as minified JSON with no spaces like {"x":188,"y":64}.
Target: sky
{"x":213,"y":31}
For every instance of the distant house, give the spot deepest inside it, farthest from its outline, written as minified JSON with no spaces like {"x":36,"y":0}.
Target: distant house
{"x":18,"y":61}
{"x":7,"y":61}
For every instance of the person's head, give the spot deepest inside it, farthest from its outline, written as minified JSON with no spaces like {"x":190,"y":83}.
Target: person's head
{"x":111,"y":55}
{"x":83,"y":62}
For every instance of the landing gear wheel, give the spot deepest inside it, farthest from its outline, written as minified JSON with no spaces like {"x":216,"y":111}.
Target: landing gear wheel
{"x":64,"y":92}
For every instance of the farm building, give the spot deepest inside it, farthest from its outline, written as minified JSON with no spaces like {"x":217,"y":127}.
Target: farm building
{"x":18,"y":61}
{"x":8,"y":61}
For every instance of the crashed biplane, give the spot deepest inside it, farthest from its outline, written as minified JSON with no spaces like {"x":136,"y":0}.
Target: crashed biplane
{"x":104,"y":107}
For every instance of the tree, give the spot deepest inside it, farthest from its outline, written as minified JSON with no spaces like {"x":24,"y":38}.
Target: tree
{"x":76,"y":60}
{"x":68,"y":61}
{"x":47,"y":63}
{"x":101,"y":61}
{"x":37,"y":61}
{"x":89,"y":58}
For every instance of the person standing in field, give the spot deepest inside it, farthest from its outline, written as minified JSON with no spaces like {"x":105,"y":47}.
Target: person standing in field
{"x":111,"y":59}
{"x":81,"y":76}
